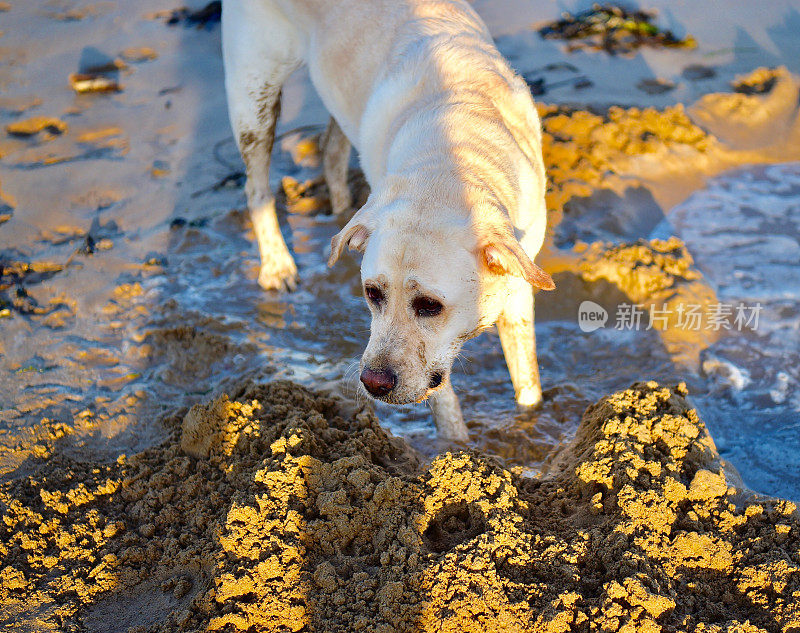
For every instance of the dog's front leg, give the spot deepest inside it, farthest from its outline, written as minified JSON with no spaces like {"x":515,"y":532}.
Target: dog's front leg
{"x":257,"y":48}
{"x":518,"y":339}
{"x":447,"y":413}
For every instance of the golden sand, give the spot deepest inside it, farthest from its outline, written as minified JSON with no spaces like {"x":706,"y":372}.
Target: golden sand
{"x":266,"y":510}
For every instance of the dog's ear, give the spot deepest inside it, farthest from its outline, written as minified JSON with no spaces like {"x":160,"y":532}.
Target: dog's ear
{"x":354,"y":236}
{"x":503,"y":255}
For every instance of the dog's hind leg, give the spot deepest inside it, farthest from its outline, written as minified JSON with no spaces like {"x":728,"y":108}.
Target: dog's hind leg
{"x":335,"y":161}
{"x":258,"y":45}
{"x":447,"y":413}
{"x":518,"y":339}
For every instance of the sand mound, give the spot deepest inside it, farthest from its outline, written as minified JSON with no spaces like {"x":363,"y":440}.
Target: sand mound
{"x":641,"y":269}
{"x":658,"y":276}
{"x":268,"y":511}
{"x":763,"y":110}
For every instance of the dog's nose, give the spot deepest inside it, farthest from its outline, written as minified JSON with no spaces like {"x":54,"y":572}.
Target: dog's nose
{"x":379,"y":383}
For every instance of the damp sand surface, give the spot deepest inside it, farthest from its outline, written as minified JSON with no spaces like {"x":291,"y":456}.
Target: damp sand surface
{"x":128,"y":295}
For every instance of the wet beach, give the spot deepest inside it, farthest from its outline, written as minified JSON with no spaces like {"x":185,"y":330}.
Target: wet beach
{"x":129,"y":307}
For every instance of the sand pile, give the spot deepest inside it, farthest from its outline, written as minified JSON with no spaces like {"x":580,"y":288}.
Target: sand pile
{"x":584,"y":150}
{"x":269,"y":511}
{"x":670,"y":151}
{"x":660,"y":278}
{"x":641,"y":269}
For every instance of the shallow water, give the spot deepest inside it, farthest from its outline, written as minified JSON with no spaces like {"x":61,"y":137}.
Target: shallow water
{"x":196,"y":323}
{"x":160,"y":307}
{"x":744,"y":232}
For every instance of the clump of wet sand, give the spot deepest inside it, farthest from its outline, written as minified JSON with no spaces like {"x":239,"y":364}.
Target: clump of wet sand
{"x":640,"y":269}
{"x":671,"y":150}
{"x":585,"y":150}
{"x":660,"y":278}
{"x":269,"y":509}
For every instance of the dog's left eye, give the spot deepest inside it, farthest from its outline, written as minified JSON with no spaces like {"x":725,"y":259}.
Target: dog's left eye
{"x":426,"y":307}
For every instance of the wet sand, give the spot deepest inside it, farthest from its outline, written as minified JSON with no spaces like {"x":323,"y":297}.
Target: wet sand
{"x":121,"y":219}
{"x":270,"y":509}
{"x":135,"y":494}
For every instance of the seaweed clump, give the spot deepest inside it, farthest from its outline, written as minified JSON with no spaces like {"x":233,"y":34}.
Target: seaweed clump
{"x":612,"y":29}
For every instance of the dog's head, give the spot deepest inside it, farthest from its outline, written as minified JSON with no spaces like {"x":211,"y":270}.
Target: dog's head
{"x":429,"y":288}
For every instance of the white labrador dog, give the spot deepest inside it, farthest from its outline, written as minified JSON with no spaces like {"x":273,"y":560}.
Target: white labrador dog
{"x":450,"y":144}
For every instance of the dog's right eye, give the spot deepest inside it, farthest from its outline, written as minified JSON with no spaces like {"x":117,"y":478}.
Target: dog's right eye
{"x":427,"y":307}
{"x":374,"y":294}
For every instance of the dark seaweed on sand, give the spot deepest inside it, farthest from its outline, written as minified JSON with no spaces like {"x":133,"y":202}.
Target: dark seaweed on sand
{"x":208,"y":15}
{"x":612,"y":29}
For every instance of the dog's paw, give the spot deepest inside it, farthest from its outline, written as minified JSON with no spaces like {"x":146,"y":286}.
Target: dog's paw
{"x":278,"y":273}
{"x":530,"y":396}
